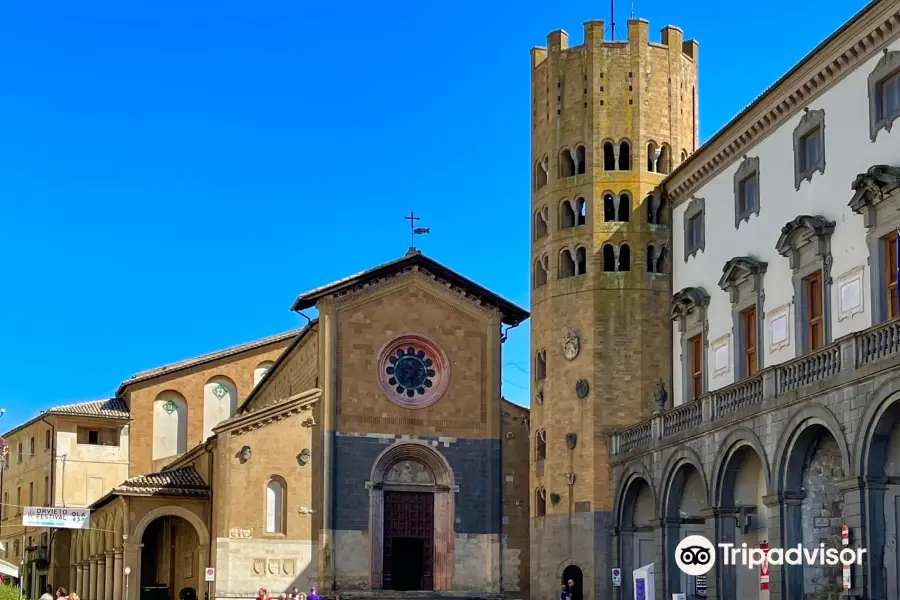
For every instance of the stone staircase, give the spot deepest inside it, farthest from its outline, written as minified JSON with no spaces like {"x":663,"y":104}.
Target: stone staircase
{"x":397,"y":595}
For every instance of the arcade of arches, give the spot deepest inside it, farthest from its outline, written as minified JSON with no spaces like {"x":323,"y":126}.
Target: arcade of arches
{"x":796,"y":486}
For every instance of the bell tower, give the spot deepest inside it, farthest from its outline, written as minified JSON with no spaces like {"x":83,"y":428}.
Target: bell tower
{"x":609,"y":120}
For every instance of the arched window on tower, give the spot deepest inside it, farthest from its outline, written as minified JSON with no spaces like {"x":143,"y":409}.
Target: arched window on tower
{"x":624,"y":156}
{"x":665,"y":158}
{"x":609,"y":258}
{"x":651,"y":214}
{"x":609,"y":208}
{"x":540,"y":502}
{"x":540,"y":272}
{"x":566,"y":164}
{"x":580,"y":261}
{"x":579,"y":158}
{"x":540,"y":444}
{"x":566,"y":215}
{"x":540,"y":223}
{"x":651,"y":157}
{"x":609,"y":157}
{"x":540,"y":174}
{"x":651,"y":259}
{"x":624,"y":258}
{"x":624,"y":211}
{"x":566,"y":264}
{"x":683,"y":155}
{"x":580,"y":212}
{"x":660,"y":216}
{"x":540,"y":365}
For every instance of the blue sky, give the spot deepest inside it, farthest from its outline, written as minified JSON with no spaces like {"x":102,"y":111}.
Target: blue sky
{"x":172,"y":177}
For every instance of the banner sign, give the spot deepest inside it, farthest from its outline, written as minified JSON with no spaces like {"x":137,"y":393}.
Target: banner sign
{"x":63,"y":518}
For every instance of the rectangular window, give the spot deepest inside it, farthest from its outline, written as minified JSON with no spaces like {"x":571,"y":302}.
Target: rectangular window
{"x":21,"y":453}
{"x":891,"y":300}
{"x":98,"y":436}
{"x":695,"y":346}
{"x":749,"y":333}
{"x":815,"y":325}
{"x":93,"y":437}
{"x":888,"y":95}
{"x":810,"y":149}
{"x":33,"y":447}
{"x":695,"y":231}
{"x":747,"y":195}
{"x":47,"y":491}
{"x":31,"y":494}
{"x":18,"y":500}
{"x":47,"y":439}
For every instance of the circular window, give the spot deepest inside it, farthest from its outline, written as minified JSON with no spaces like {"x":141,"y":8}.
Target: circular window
{"x":413,"y":371}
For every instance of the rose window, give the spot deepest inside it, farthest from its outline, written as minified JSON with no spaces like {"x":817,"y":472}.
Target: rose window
{"x":413,"y":371}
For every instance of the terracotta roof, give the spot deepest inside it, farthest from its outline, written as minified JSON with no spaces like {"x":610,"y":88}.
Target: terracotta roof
{"x":177,"y":482}
{"x":512,"y":314}
{"x":199,"y":360}
{"x":113,"y":408}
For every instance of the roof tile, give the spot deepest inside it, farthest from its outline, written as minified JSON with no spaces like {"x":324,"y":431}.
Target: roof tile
{"x":114,"y":408}
{"x":185,"y":481}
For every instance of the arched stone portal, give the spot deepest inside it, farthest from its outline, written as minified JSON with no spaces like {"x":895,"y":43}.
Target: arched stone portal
{"x":685,"y":506}
{"x":574,"y":574}
{"x":185,"y":539}
{"x":637,"y":513}
{"x":411,"y":478}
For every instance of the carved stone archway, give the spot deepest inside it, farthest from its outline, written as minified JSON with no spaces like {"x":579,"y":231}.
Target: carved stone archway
{"x":441,"y":483}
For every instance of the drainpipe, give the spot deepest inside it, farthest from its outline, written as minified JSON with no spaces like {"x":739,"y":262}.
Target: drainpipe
{"x":52,"y":499}
{"x":503,"y":337}
{"x":212,"y":536}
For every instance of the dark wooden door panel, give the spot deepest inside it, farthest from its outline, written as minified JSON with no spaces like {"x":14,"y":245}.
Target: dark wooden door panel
{"x":409,"y":515}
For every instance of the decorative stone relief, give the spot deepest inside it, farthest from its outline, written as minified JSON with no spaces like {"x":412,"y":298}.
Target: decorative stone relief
{"x":240,"y":533}
{"x":582,"y":388}
{"x":539,"y":397}
{"x":413,"y":371}
{"x":287,"y":566}
{"x":409,"y":471}
{"x":273,"y":566}
{"x":304,"y":456}
{"x":259,"y":566}
{"x":309,"y":422}
{"x":570,"y":478}
{"x":305,"y":510}
{"x":554,"y":498}
{"x":510,"y":435}
{"x":571,"y":346}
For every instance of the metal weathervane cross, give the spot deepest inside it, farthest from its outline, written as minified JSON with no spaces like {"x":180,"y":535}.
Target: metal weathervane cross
{"x":413,"y":230}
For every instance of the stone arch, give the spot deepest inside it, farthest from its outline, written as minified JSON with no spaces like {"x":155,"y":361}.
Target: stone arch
{"x":443,"y":488}
{"x":576,"y":574}
{"x":793,"y":434}
{"x":874,"y":447}
{"x":260,"y":371}
{"x":134,"y":543}
{"x":736,"y":440}
{"x":811,"y":446}
{"x":880,"y":401}
{"x":632,"y":471}
{"x":685,"y":455}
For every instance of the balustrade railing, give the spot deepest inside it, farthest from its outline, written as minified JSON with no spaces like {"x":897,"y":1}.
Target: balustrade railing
{"x":847,"y":353}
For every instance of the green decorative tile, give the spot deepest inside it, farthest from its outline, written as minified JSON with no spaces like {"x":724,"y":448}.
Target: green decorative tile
{"x":169,"y":407}
{"x":220,"y":391}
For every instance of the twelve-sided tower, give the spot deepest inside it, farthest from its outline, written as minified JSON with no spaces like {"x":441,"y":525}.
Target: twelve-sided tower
{"x":609,"y":121}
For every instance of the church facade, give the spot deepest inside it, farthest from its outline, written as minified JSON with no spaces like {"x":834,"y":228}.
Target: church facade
{"x":374,"y":455}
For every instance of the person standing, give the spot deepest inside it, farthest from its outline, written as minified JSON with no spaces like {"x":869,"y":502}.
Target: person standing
{"x":48,"y":593}
{"x":62,"y":594}
{"x":313,"y":595}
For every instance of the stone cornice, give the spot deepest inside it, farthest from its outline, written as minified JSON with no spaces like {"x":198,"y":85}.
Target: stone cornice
{"x":272,"y":413}
{"x":857,"y":41}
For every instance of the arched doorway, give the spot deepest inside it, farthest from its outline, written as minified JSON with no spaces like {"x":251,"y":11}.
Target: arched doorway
{"x":685,"y":504}
{"x":813,"y":459}
{"x":412,"y":519}
{"x":881,"y":466}
{"x":573,"y":582}
{"x":168,"y":551}
{"x":637,"y":513}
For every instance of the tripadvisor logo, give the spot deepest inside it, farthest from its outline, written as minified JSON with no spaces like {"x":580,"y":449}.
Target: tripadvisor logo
{"x":695,"y":555}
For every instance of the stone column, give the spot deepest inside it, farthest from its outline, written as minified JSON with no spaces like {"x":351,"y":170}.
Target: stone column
{"x":92,"y":579}
{"x":118,"y":572}
{"x":671,"y":533}
{"x":101,"y":578}
{"x":131,"y":557}
{"x":108,"y":583}
{"x":722,"y":577}
{"x":872,"y":536}
{"x":75,"y":585}
{"x":83,"y":579}
{"x":73,"y":577}
{"x":792,"y":523}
